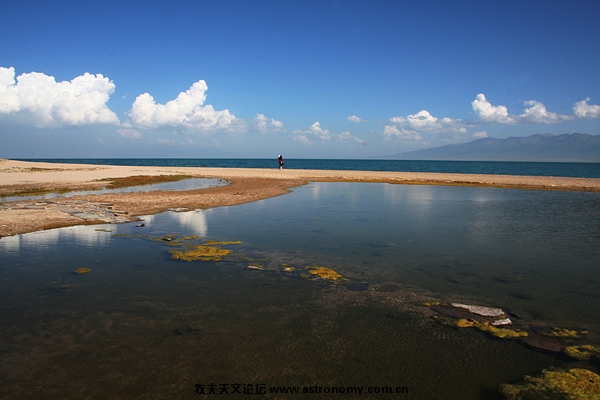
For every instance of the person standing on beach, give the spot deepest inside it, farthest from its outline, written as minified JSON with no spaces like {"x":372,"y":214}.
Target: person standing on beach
{"x":280,"y":159}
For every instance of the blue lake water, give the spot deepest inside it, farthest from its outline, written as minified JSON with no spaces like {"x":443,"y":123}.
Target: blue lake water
{"x":141,"y":324}
{"x":579,"y":170}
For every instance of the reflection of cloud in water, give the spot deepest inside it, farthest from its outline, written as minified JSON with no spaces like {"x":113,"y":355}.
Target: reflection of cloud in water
{"x":195,"y":221}
{"x":418,"y":198}
{"x":315,"y":188}
{"x":146,"y":219}
{"x":85,"y":235}
{"x":10,"y":243}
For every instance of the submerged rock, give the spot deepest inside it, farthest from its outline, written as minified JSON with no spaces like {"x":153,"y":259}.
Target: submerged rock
{"x":480,"y":310}
{"x":543,"y":343}
{"x":502,"y":322}
{"x":359,"y":287}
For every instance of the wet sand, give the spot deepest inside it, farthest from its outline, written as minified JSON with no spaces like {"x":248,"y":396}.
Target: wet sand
{"x":245,"y":185}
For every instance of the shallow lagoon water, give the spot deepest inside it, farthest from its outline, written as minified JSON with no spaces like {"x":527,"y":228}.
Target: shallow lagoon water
{"x":142,"y":325}
{"x":184,"y":184}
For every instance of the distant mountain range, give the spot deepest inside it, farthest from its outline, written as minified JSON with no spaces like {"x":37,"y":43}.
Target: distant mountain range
{"x":573,"y":147}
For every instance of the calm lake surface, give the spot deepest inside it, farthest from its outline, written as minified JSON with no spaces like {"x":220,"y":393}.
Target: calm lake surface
{"x":142,"y":325}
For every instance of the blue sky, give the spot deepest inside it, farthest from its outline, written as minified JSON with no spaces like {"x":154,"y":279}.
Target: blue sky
{"x":306,"y":79}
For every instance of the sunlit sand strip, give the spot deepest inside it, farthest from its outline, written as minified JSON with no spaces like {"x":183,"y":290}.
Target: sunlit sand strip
{"x":246,"y":185}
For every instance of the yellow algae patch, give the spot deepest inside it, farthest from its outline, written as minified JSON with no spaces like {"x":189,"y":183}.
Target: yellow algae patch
{"x":82,"y":271}
{"x":466,"y":323}
{"x":576,"y":383}
{"x":324,"y":273}
{"x":488,"y":328}
{"x":224,"y":242}
{"x":584,"y":352}
{"x":564,"y":333}
{"x":201,"y":253}
{"x":434,"y":303}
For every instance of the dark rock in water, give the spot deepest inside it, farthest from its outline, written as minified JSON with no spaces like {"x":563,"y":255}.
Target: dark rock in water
{"x":359,"y":287}
{"x":140,"y":225}
{"x":518,"y":315}
{"x":543,"y":343}
{"x":521,"y":296}
{"x":388,"y":287}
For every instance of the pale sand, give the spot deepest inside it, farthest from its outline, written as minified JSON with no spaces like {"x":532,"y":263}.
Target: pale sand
{"x":246,"y":184}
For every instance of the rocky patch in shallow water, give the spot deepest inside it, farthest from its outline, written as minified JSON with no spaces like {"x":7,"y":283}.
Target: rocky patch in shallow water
{"x":88,"y":212}
{"x":575,"y":383}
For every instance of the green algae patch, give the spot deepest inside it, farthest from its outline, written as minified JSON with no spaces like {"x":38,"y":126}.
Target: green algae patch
{"x":223,"y":242}
{"x":324,"y":273}
{"x":200,"y":253}
{"x":81,"y":271}
{"x":141,"y":180}
{"x":189,"y":248}
{"x":38,"y":191}
{"x":192,"y":237}
{"x":584,"y":352}
{"x":573,"y":384}
{"x":486,"y":327}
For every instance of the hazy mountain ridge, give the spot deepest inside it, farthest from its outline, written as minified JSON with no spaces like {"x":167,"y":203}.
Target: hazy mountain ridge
{"x":573,"y":147}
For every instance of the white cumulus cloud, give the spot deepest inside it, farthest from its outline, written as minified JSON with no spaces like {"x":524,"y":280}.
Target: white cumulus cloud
{"x":489,"y":113}
{"x":425,"y":122}
{"x":479,"y":135}
{"x":347,"y":137}
{"x":355,"y":119}
{"x":303,"y":139}
{"x":392,"y":133}
{"x":264,"y":125}
{"x":582,"y":109}
{"x":535,"y":113}
{"x":187,"y":112}
{"x":316,"y":132}
{"x":128,"y":132}
{"x":37,"y":99}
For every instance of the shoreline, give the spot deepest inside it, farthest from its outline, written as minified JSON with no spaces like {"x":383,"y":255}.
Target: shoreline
{"x":245,"y":185}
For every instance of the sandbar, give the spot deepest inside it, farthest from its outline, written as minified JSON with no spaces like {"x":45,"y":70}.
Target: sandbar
{"x":245,"y":185}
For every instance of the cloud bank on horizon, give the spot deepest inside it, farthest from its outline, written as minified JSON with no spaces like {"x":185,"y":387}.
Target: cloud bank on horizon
{"x":39,"y":100}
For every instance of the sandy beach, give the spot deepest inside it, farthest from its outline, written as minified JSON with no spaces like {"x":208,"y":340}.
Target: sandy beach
{"x":245,"y":185}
